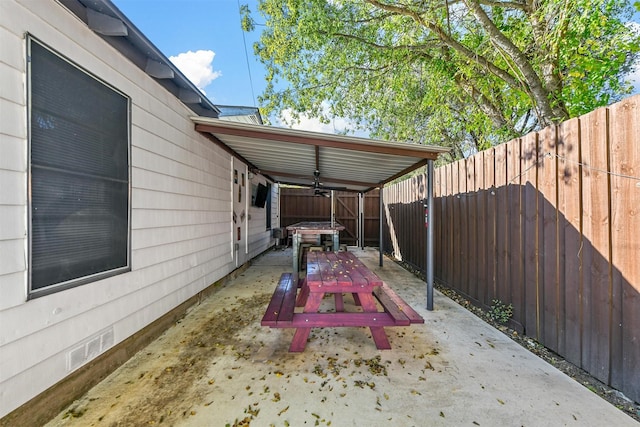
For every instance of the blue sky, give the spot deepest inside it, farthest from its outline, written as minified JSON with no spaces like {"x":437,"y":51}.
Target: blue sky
{"x":180,"y":26}
{"x":210,"y":30}
{"x":217,"y":63}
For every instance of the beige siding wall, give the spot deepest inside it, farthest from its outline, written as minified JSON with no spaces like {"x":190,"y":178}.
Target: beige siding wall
{"x":180,"y":213}
{"x":13,"y":169}
{"x":259,"y":237}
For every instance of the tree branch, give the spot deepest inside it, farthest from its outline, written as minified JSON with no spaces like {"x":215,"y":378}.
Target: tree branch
{"x":453,"y":44}
{"x":417,"y":47}
{"x":539,"y":94}
{"x":505,"y":4}
{"x":371,"y":19}
{"x":482,"y":102}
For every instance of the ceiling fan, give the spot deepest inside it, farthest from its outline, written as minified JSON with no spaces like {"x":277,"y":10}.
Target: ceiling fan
{"x":319,"y":189}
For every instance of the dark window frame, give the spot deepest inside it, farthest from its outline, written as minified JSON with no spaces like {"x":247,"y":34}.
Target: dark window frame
{"x":99,"y":218}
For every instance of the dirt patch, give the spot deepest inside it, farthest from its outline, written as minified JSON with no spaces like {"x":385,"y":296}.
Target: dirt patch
{"x":165,"y":388}
{"x":219,"y":367}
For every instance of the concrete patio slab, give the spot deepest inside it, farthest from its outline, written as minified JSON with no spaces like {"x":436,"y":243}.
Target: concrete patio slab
{"x":219,"y":367}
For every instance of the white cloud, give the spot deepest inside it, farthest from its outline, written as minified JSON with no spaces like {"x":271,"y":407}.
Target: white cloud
{"x":312,"y":124}
{"x":197,"y":67}
{"x":337,"y":125}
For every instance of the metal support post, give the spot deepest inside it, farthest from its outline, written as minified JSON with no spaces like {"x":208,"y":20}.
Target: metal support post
{"x":429,"y":227}
{"x":361,"y":214}
{"x":381,"y":246}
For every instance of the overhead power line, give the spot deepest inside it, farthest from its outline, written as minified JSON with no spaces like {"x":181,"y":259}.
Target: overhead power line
{"x":246,"y":55}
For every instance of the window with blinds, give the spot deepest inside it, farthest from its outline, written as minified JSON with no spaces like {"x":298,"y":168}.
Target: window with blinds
{"x":79,"y":175}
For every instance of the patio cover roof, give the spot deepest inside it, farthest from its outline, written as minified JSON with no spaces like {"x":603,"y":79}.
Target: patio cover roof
{"x":289,"y":156}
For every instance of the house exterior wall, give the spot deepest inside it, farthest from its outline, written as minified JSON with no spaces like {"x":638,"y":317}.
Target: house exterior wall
{"x":260,"y":238}
{"x":180,"y":213}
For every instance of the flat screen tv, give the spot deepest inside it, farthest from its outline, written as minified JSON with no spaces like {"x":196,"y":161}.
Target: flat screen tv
{"x":261,"y":196}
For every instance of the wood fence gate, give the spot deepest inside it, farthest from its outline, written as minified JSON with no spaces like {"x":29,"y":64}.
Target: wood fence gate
{"x":300,"y":204}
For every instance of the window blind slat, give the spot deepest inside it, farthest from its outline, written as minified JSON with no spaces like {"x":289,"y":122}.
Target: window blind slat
{"x":79,"y":173}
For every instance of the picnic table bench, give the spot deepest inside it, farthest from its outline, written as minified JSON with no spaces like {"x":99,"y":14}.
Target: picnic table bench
{"x":336,"y":273}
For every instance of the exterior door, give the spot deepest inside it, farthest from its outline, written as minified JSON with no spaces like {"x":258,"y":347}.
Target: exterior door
{"x":240,"y":211}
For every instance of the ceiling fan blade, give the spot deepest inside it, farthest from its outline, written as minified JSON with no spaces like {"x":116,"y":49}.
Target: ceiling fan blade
{"x":318,"y":186}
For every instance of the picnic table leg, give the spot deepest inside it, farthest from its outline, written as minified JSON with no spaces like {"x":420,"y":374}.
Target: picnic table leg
{"x":303,"y":295}
{"x":356,"y":300}
{"x":302,"y":334}
{"x":368,"y":304}
{"x":295,"y":242}
{"x":339,"y":302}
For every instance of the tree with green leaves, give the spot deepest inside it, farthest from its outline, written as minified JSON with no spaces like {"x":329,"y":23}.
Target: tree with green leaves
{"x":462,"y":73}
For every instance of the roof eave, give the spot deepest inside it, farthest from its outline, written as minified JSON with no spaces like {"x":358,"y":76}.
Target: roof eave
{"x":136,"y":47}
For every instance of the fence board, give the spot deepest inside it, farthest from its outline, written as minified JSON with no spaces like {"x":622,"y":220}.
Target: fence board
{"x":439,"y":215}
{"x":444,"y":223}
{"x":463,"y":237}
{"x":450,"y":227}
{"x":472,"y":247}
{"x":419,"y":219}
{"x":481,"y":244}
{"x":404,"y":217}
{"x":596,"y":257}
{"x":625,"y":220}
{"x":560,"y":282}
{"x":502,"y":225}
{"x":388,"y":223}
{"x":530,"y":159}
{"x":489,"y":173}
{"x":456,"y":231}
{"x":570,"y":227}
{"x":372,"y":218}
{"x":549,"y":267}
{"x":413,"y":188}
{"x":514,"y":261}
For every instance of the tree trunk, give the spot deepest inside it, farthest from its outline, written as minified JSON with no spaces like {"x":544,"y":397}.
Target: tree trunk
{"x":541,"y":97}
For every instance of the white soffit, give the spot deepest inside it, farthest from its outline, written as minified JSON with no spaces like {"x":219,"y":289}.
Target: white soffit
{"x":291,"y":156}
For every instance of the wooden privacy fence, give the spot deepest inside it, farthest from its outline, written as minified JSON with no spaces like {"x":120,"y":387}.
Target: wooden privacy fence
{"x":550,"y":223}
{"x":300,"y":204}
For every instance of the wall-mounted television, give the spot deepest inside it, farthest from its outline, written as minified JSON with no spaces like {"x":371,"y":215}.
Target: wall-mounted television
{"x":261,"y":196}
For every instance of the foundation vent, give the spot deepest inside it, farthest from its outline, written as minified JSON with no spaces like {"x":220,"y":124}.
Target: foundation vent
{"x":89,"y":349}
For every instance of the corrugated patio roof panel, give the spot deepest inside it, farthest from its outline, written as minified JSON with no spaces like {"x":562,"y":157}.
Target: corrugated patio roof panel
{"x":291,"y":156}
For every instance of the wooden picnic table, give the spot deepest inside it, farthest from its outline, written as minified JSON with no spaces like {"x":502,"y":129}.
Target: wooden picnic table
{"x":337,"y":273}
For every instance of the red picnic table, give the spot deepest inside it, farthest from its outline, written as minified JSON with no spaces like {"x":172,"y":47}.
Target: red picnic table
{"x":337,"y":273}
